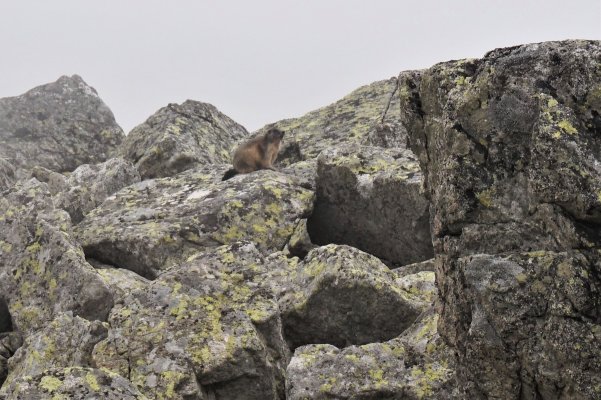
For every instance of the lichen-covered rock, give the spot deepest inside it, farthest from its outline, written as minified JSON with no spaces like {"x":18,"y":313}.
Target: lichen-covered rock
{"x":179,"y":137}
{"x":300,"y":242}
{"x":72,"y":383}
{"x":372,"y":199}
{"x":423,"y":266}
{"x":56,"y":181}
{"x":154,"y":224}
{"x":9,"y":344}
{"x":89,"y":185}
{"x":416,"y":365}
{"x":356,"y":118}
{"x":58,"y":126}
{"x":510,"y":146}
{"x":67,"y":341}
{"x":43,"y":271}
{"x":7,"y":174}
{"x":206,"y":328}
{"x":341,"y":296}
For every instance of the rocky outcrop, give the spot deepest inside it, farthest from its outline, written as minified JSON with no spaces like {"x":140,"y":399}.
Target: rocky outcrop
{"x":73,"y":383}
{"x":372,"y":199}
{"x":356,"y":118}
{"x":89,"y":185}
{"x":58,"y":126}
{"x":7,"y":174}
{"x":155,"y":224}
{"x":510,"y":148}
{"x":179,"y":137}
{"x":207,"y":329}
{"x":343,"y":296}
{"x":43,"y":271}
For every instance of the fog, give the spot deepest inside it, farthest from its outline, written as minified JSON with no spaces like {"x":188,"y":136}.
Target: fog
{"x":264,"y":60}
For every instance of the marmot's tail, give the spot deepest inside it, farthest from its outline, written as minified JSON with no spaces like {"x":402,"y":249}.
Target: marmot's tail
{"x":229,"y":173}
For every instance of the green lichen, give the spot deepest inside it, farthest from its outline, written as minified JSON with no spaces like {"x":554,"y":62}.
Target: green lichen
{"x":50,"y":383}
{"x":485,"y":198}
{"x":92,"y":382}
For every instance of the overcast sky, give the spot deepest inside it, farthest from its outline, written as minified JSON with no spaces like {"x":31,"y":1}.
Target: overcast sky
{"x":262,"y":60}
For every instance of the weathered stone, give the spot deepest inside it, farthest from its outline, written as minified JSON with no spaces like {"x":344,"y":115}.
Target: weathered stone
{"x":7,"y":174}
{"x":73,"y":383}
{"x":154,"y":224}
{"x":180,"y":137}
{"x":510,"y":148}
{"x":424,"y":266}
{"x":43,"y":271}
{"x":89,"y":185}
{"x":341,"y":296}
{"x":58,"y":126}
{"x":9,"y":344}
{"x":300,"y":242}
{"x":65,"y":342}
{"x":206,"y":328}
{"x":56,"y":182}
{"x":356,"y":118}
{"x":372,"y":199}
{"x":416,"y":365}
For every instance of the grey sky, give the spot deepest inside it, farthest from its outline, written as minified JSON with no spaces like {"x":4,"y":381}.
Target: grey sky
{"x":263,"y":60}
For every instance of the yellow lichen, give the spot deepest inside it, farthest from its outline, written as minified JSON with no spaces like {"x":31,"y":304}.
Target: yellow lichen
{"x":92,"y":382}
{"x":50,"y":383}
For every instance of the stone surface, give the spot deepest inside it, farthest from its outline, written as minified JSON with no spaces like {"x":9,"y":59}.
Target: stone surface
{"x":207,"y":328}
{"x":510,"y":148}
{"x":154,"y":224}
{"x":43,"y":271}
{"x":7,"y":174}
{"x":89,"y":185}
{"x":9,"y":344}
{"x":342,"y":296}
{"x":372,"y":199}
{"x":67,"y":341}
{"x":416,"y":365}
{"x":59,"y":126}
{"x":179,"y":137}
{"x":73,"y":383}
{"x":352,"y":119}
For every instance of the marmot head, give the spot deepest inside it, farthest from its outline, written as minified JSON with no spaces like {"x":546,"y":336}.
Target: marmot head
{"x":274,"y":134}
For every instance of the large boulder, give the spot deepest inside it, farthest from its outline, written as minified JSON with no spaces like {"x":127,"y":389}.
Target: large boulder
{"x":209,"y":327}
{"x":181,"y":136}
{"x":155,"y":224}
{"x":356,"y":118}
{"x":372,"y":199}
{"x":73,"y":383}
{"x":341,"y":296}
{"x":43,"y":271}
{"x":510,"y":147}
{"x":58,"y":126}
{"x":67,"y":341}
{"x":90,"y":184}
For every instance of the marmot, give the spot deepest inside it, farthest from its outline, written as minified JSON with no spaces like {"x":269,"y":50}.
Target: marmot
{"x":258,"y":153}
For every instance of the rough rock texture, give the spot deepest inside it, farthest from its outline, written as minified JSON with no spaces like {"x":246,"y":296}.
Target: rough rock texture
{"x":9,"y":344}
{"x":356,"y":118}
{"x":343,"y":296}
{"x":65,"y":342}
{"x":89,"y":185}
{"x":372,"y":199}
{"x":510,"y":147}
{"x":7,"y":174}
{"x":56,"y":181}
{"x":181,"y":136}
{"x":152,"y":225}
{"x":73,"y":383}
{"x":58,"y":126}
{"x":42,"y":269}
{"x":205,"y":330}
{"x":416,"y":365}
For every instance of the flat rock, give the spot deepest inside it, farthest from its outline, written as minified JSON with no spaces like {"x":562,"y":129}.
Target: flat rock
{"x":58,"y":126}
{"x":372,"y":198}
{"x":179,"y":137}
{"x":152,"y":225}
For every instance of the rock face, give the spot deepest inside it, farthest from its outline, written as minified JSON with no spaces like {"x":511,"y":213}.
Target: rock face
{"x":372,"y":199}
{"x":510,"y":146}
{"x":155,"y":224}
{"x":343,"y":296}
{"x":7,"y":174}
{"x":356,"y":118}
{"x":180,"y":136}
{"x":58,"y":126}
{"x":43,"y":271}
